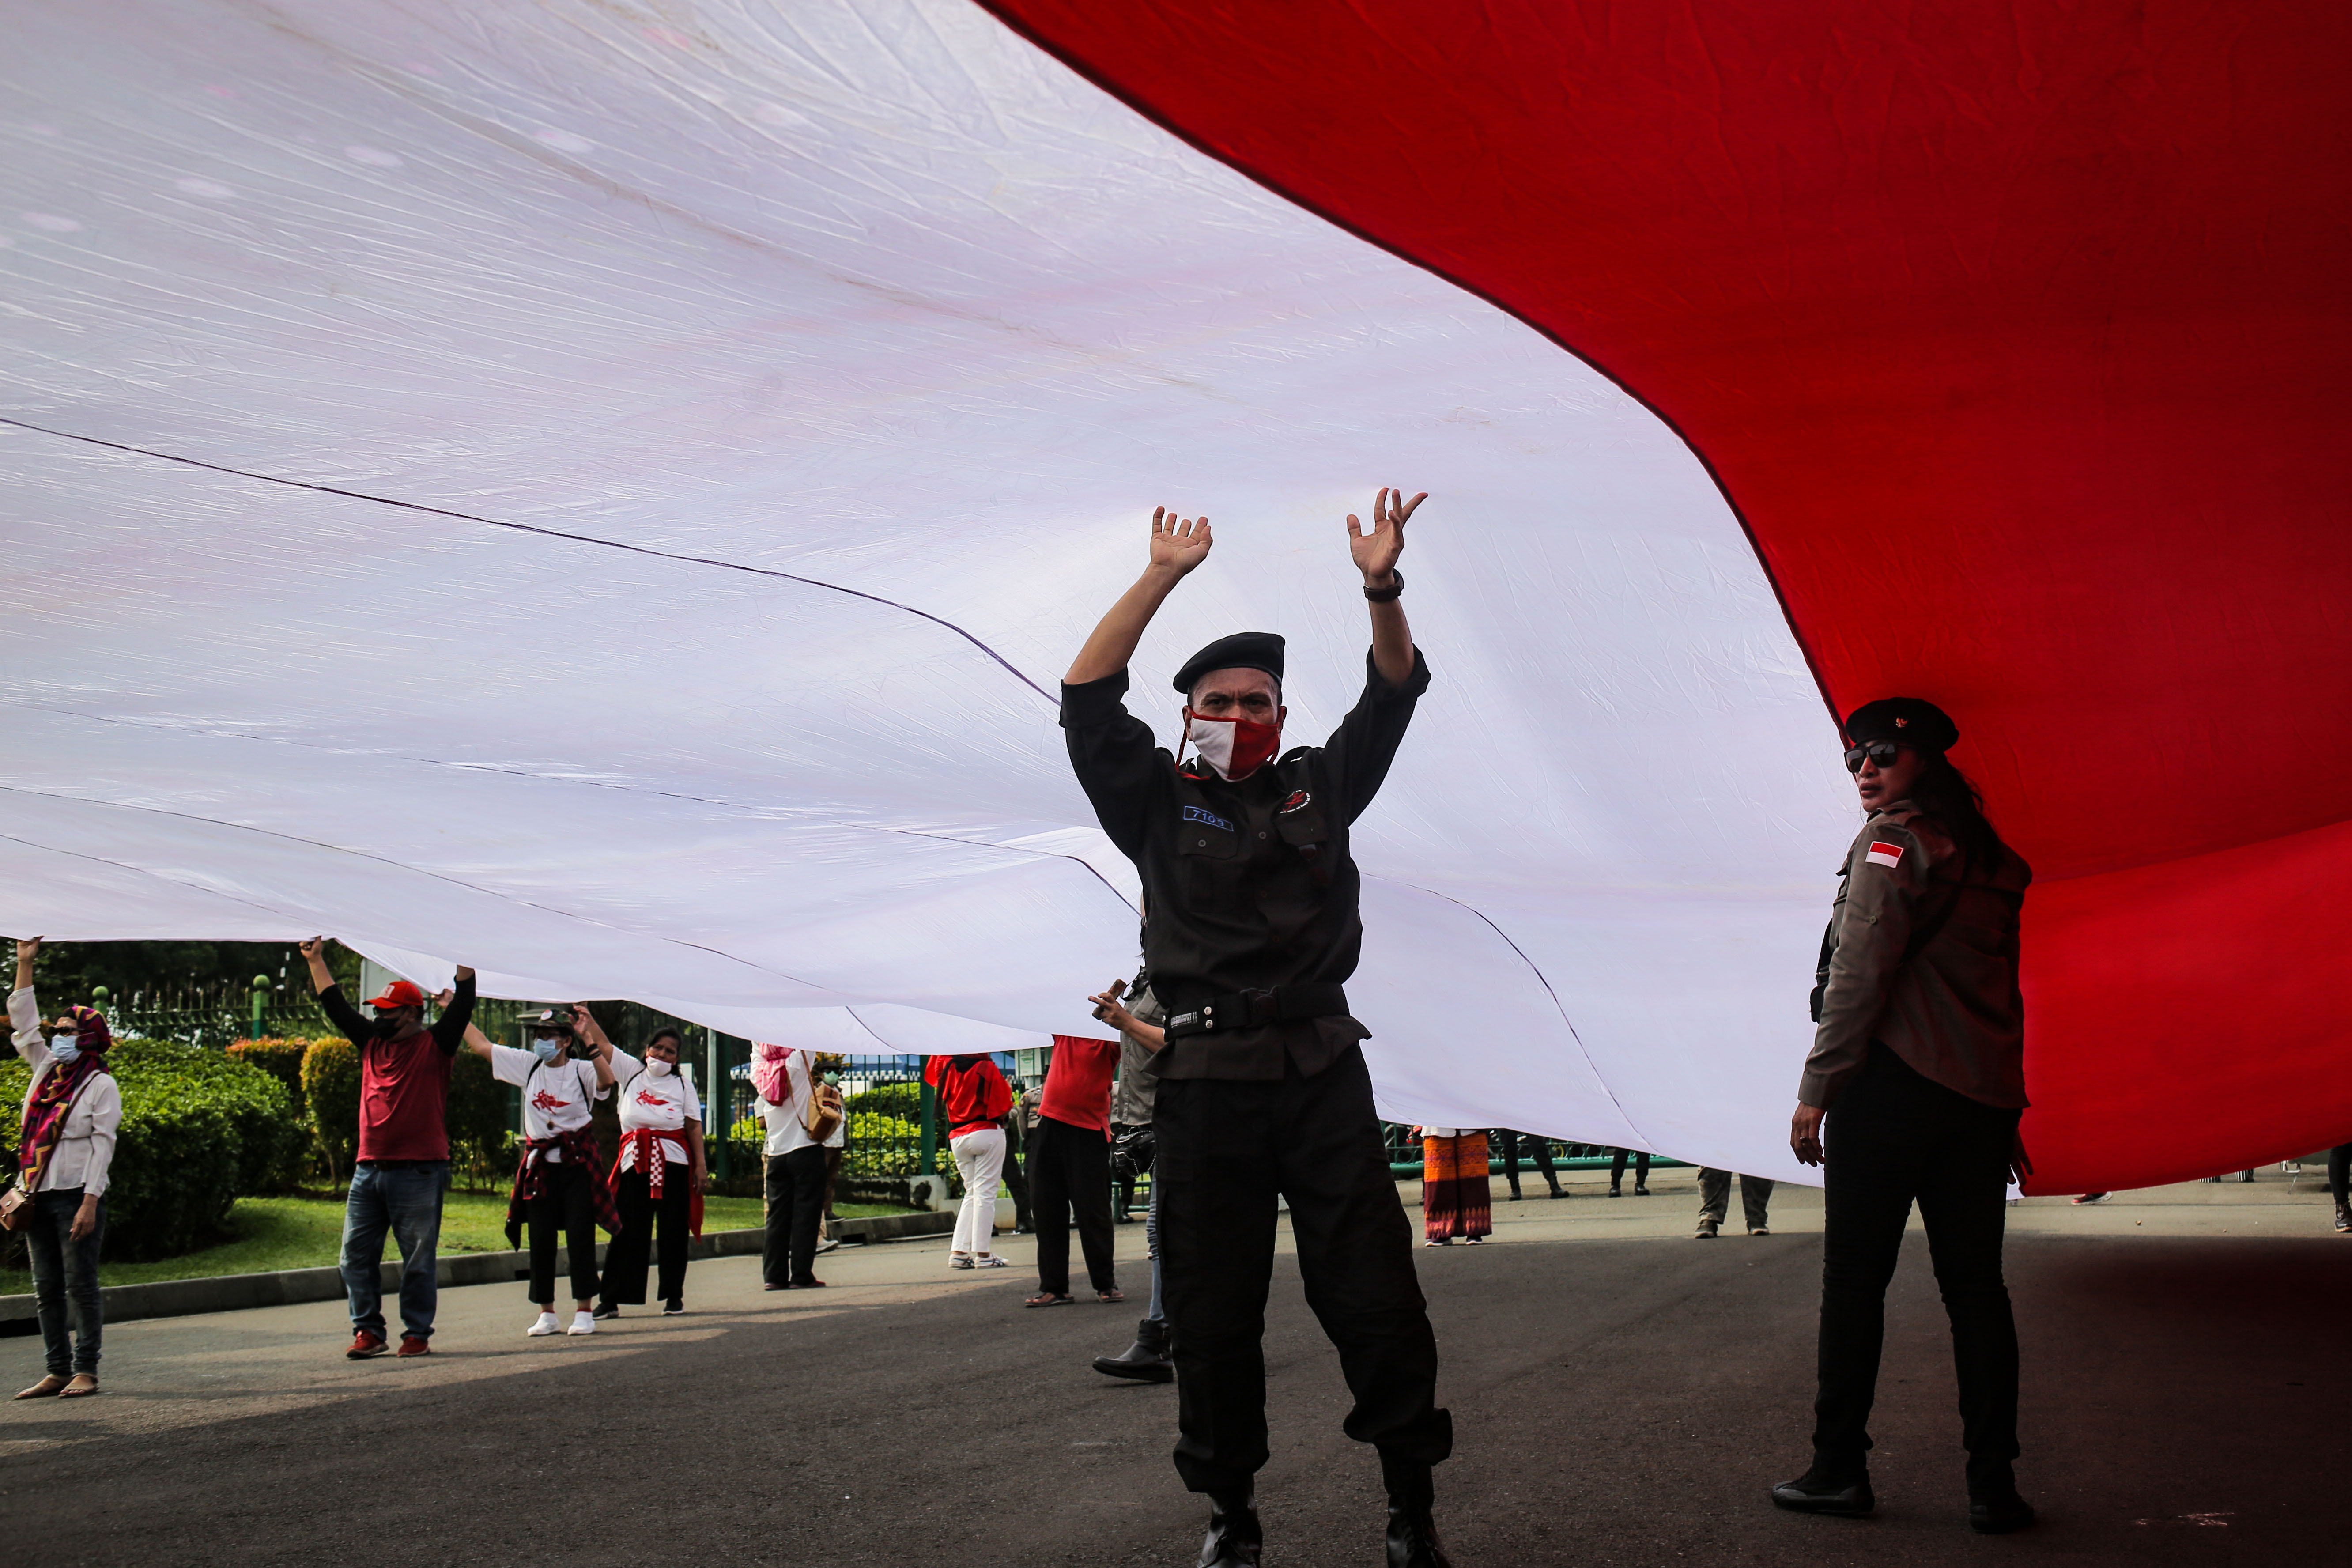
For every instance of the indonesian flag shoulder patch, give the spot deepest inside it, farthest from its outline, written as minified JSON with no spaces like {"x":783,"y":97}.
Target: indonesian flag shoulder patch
{"x":1883,"y":853}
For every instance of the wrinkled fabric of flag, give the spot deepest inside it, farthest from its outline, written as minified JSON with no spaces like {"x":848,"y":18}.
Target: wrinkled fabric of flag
{"x":605,"y":495}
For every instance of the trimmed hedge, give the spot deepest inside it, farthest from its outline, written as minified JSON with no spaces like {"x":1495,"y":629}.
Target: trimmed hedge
{"x":200,"y":1129}
{"x":281,"y":1059}
{"x":330,"y":1083}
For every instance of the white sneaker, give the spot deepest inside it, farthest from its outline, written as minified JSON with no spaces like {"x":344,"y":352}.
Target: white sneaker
{"x":546,"y":1325}
{"x":581,"y":1323}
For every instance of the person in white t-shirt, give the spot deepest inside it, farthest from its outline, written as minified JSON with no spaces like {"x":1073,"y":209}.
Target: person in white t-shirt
{"x":560,"y":1184}
{"x":795,"y":1168}
{"x":659,"y":1175}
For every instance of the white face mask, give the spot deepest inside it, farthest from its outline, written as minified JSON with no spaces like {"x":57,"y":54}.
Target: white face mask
{"x":65,"y":1048}
{"x":656,"y":1067}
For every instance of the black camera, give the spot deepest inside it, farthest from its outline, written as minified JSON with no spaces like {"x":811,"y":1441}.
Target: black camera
{"x":1131,"y":1149}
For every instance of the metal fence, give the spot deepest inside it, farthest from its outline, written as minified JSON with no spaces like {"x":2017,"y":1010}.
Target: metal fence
{"x":1405,"y":1153}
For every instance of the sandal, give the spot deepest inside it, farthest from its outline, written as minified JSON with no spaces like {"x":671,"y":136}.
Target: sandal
{"x":1049,"y":1299}
{"x":47,"y":1388}
{"x":83,"y":1385}
{"x":1113,"y":1294}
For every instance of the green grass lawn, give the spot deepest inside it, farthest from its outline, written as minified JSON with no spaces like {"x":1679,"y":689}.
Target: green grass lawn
{"x":306,"y":1233}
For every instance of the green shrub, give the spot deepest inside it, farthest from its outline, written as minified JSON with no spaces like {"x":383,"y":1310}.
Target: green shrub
{"x":200,"y":1129}
{"x":481,"y":1132}
{"x":903,"y":1101}
{"x":331,"y":1084}
{"x":281,"y":1058}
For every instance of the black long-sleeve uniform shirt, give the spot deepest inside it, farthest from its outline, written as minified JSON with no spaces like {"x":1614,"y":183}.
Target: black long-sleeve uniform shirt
{"x":1230,"y":902}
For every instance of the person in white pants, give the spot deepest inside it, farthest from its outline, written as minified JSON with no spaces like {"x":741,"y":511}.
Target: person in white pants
{"x":974,"y":1098}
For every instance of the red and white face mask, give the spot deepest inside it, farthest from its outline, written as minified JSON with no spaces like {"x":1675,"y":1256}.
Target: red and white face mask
{"x":1236,"y":747}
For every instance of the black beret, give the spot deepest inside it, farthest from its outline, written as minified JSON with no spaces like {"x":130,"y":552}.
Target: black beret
{"x":1243,"y":650}
{"x":1913,"y":721}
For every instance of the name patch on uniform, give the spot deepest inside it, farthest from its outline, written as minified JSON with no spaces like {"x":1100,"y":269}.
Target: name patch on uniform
{"x":1884,"y":854}
{"x":1202,"y":814}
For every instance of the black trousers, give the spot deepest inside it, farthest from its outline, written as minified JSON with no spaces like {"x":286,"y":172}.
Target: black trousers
{"x":1228,"y":1150}
{"x":565,"y":1212}
{"x":1617,"y":1167}
{"x":1015,"y":1182}
{"x":795,"y":1210}
{"x":1894,"y":1137}
{"x":1069,"y":1171}
{"x":2339,"y":1170}
{"x":1539,"y":1150}
{"x":625,"y":1261}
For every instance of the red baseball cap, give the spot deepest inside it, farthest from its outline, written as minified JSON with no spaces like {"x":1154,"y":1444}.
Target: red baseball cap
{"x":400,"y":994}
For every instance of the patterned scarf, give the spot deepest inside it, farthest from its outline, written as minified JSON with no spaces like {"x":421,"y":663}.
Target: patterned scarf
{"x":53,"y":1097}
{"x":580,"y":1149}
{"x":655,"y":1165}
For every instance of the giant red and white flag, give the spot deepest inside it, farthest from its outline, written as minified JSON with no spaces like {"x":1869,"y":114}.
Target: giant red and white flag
{"x":605,"y":495}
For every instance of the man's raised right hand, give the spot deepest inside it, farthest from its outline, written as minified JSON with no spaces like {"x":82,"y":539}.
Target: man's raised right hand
{"x":1178,"y":544}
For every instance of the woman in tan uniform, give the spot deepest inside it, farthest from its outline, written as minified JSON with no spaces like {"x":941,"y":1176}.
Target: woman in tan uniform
{"x":1919,"y":1062}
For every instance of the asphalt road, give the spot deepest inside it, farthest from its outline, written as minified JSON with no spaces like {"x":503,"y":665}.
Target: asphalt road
{"x":1618,"y":1399}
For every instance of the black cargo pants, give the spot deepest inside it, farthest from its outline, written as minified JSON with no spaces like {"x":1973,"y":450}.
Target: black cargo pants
{"x":1228,"y":1150}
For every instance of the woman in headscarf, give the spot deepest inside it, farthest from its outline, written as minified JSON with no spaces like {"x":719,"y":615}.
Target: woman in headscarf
{"x":974,"y":1098}
{"x":72,"y":1112}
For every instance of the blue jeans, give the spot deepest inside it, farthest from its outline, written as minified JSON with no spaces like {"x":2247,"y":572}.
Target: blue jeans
{"x":406,"y":1201}
{"x":62,"y":1268}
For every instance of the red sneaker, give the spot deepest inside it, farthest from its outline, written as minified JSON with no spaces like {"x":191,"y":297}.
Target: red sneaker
{"x":365,"y":1344}
{"x":414,"y":1344}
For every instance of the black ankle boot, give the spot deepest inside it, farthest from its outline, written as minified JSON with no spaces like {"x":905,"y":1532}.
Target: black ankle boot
{"x":1234,"y":1541}
{"x":1146,"y":1360}
{"x":1553,"y":1182}
{"x":1412,"y":1535}
{"x":1833,"y":1487}
{"x":1994,"y":1507}
{"x":1412,"y":1538}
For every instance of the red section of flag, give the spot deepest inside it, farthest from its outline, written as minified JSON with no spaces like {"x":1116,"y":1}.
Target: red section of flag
{"x":2019,"y":322}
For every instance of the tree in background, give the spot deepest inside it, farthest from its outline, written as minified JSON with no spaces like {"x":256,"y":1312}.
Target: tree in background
{"x":331,"y":1084}
{"x":481,"y":1123}
{"x":70,"y":970}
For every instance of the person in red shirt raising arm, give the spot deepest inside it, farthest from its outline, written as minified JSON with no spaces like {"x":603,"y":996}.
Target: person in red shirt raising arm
{"x":402,"y":1169}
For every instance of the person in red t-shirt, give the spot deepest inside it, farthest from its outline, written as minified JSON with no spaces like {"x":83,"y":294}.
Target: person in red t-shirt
{"x":402,"y":1169}
{"x":1069,"y":1168}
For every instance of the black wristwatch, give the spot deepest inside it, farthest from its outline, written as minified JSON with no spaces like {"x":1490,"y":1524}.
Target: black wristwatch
{"x":1388,"y":594}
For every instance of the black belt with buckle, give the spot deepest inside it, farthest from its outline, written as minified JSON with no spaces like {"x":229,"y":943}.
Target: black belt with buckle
{"x":1255,"y":1009}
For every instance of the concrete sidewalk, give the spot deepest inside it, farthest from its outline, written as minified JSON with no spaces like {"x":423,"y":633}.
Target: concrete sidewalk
{"x":1622,"y":1396}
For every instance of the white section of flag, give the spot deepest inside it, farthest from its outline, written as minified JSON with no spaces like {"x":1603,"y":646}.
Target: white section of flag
{"x":877,"y":296}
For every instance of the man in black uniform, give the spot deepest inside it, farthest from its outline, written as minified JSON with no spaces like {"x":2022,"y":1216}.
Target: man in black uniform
{"x":1251,"y":929}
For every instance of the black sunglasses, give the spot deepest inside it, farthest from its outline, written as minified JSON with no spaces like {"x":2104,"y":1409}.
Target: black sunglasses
{"x":1882,"y":752}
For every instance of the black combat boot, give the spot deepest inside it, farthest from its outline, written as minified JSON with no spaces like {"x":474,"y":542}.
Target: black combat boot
{"x":1234,"y":1541}
{"x":1146,"y":1360}
{"x":1553,"y":1182}
{"x":1412,"y":1534}
{"x":1832,"y":1485}
{"x":1994,"y":1507}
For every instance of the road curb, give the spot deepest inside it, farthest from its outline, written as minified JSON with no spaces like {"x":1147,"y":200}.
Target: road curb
{"x":237,"y":1293}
